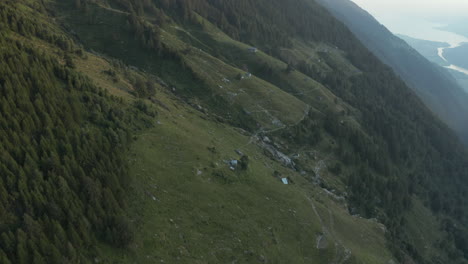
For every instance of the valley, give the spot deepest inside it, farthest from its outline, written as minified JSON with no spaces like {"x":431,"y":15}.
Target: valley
{"x":200,"y":131}
{"x":437,"y":52}
{"x":457,"y":55}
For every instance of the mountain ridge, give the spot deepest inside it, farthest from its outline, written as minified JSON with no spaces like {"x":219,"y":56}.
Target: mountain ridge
{"x":437,"y":88}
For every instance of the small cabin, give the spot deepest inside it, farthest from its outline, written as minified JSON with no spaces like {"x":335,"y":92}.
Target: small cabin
{"x":253,"y":50}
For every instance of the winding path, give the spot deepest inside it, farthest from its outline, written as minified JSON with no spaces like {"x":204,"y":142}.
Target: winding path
{"x":342,"y":254}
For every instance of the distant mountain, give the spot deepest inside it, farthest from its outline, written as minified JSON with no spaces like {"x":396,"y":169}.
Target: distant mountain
{"x":461,"y":78}
{"x":458,"y":55}
{"x":437,"y":88}
{"x":427,"y":48}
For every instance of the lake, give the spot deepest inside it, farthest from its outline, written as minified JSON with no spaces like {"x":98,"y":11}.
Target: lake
{"x":421,"y":29}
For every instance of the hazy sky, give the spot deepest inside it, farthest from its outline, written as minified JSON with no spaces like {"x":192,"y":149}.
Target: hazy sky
{"x":415,"y":7}
{"x":418,"y":18}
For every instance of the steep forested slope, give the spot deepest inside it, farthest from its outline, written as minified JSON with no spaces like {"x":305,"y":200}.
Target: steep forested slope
{"x":63,"y":143}
{"x":309,"y":105}
{"x":437,"y":88}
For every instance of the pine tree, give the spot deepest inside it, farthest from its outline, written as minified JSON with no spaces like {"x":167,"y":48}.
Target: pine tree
{"x":4,"y":258}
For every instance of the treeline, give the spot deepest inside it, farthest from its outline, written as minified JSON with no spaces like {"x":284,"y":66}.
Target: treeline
{"x":264,"y":23}
{"x":62,"y":151}
{"x":11,"y":19}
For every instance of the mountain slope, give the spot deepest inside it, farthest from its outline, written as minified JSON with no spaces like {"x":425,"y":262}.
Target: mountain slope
{"x":210,"y":129}
{"x":458,"y":55}
{"x":371,"y":103}
{"x":63,"y":147}
{"x":428,"y":49}
{"x":435,"y":86}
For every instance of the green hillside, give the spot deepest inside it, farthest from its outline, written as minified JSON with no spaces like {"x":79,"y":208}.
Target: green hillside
{"x":137,"y":131}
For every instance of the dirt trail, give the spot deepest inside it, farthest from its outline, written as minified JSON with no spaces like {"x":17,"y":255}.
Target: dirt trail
{"x":342,"y":254}
{"x":113,"y":10}
{"x":254,"y":137}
